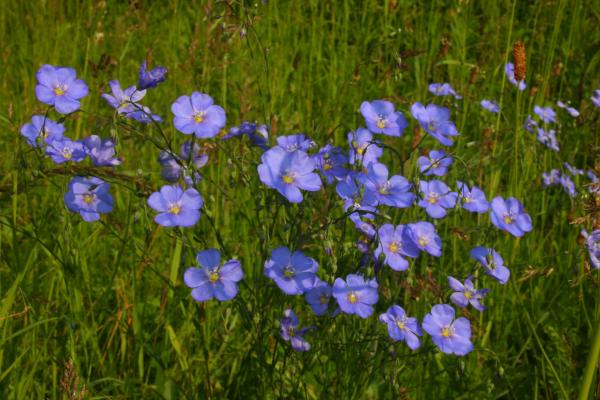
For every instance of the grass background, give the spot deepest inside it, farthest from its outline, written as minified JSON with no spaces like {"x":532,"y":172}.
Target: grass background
{"x":109,"y":296}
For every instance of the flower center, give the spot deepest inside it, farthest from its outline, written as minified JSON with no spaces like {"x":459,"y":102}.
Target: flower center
{"x":199,"y":117}
{"x":468,"y":295}
{"x":60,"y":89}
{"x":214,"y":276}
{"x":393,"y":247}
{"x":88,"y":198}
{"x":175,"y":208}
{"x":401,"y":323}
{"x":467,"y":199}
{"x":323,"y":299}
{"x":67,"y":153}
{"x":352,"y":298}
{"x":381,"y":123}
{"x":44,"y":133}
{"x":433,"y":198}
{"x":288,"y":178}
{"x":508,"y":219}
{"x":361,"y":149}
{"x":385,"y":188}
{"x":434,"y":163}
{"x":423,"y":241}
{"x":327,"y":166}
{"x":288,"y":271}
{"x":446,"y":331}
{"x":431,"y":127}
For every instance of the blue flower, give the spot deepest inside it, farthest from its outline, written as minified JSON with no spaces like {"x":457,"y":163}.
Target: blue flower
{"x":102,"y":152}
{"x":393,"y":192}
{"x":548,"y":138}
{"x":437,"y":197}
{"x":424,"y":236}
{"x":381,"y":117}
{"x":395,"y":245}
{"x":356,"y":295}
{"x":492,"y":263}
{"x":451,"y":336}
{"x":294,"y":273}
{"x":89,"y":197}
{"x":42,"y":128}
{"x":332,"y":162}
{"x":573,"y":170}
{"x":288,"y":173}
{"x":567,"y":183}
{"x":292,"y":143}
{"x":436,"y":163}
{"x":551,"y":178}
{"x":318,"y":297}
{"x":572,"y":111}
{"x":490,"y":105}
{"x":401,"y":327}
{"x":175,"y":206}
{"x":64,"y":149}
{"x":472,"y":199}
{"x":443,"y":89}
{"x":213,"y":279}
{"x":510,"y":216}
{"x":258,"y":134}
{"x":363,"y":149}
{"x":435,"y":120}
{"x":122,"y":100}
{"x":592,"y":243}
{"x":198,"y":115}
{"x":596,"y":98}
{"x":547,"y":114}
{"x":290,"y":333}
{"x":509,"y":70}
{"x":465,"y":294}
{"x":150,"y":79}
{"x":143,"y":115}
{"x":59,"y":87}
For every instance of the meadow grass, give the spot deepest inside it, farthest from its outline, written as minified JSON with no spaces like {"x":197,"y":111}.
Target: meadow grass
{"x":109,"y":297}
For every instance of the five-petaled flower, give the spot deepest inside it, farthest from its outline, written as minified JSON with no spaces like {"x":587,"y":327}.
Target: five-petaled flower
{"x":402,"y":327}
{"x":381,"y":117}
{"x":89,"y":197}
{"x":435,"y":120}
{"x":436,"y":163}
{"x":64,"y":149}
{"x":356,"y":295}
{"x":198,"y":115}
{"x":124,"y":101}
{"x":437,"y":197}
{"x":451,"y":336}
{"x":395,"y":245}
{"x":176,"y":207}
{"x":473,"y":199}
{"x":294,"y":273}
{"x":59,"y":87}
{"x":492,"y":263}
{"x":42,"y":130}
{"x":213,"y":279}
{"x":509,"y":215}
{"x":393,"y":192}
{"x":318,"y":297}
{"x":465,"y":294}
{"x":290,"y":333}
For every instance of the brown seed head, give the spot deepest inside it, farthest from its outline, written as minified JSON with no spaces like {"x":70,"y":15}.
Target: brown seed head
{"x":520,"y":60}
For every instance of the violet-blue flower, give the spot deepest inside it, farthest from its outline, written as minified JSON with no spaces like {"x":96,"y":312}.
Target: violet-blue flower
{"x":510,"y":216}
{"x":472,"y":199}
{"x":102,"y":152}
{"x":395,"y":245}
{"x":402,"y":327}
{"x":547,"y":114}
{"x":492,"y":263}
{"x":436,"y":163}
{"x":143,"y":115}
{"x":567,"y":183}
{"x":42,"y":130}
{"x":89,"y":197}
{"x":175,"y":206}
{"x":572,"y":111}
{"x":381,"y":117}
{"x":363,"y":149}
{"x":573,"y":170}
{"x":150,"y":79}
{"x":592,"y":243}
{"x":509,"y":70}
{"x":290,"y":333}
{"x":596,"y":97}
{"x":548,"y":138}
{"x":424,"y":236}
{"x":59,"y":87}
{"x":318,"y":297}
{"x":356,"y":295}
{"x":490,"y":105}
{"x":451,"y":336}
{"x":295,"y":142}
{"x":551,"y":178}
{"x":332,"y":163}
{"x":198,"y":115}
{"x":437,"y":197}
{"x":443,"y":89}
{"x":288,"y":173}
{"x":294,"y":273}
{"x":122,"y":100}
{"x":393,"y":192}
{"x":465,"y":294}
{"x":435,"y":120}
{"x":258,"y":134}
{"x":213,"y":280}
{"x":64,"y":149}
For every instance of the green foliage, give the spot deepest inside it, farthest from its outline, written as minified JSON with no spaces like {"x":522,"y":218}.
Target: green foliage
{"x":109,"y":298}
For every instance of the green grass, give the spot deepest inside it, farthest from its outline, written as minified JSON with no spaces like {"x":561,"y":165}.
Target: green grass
{"x":109,"y":295}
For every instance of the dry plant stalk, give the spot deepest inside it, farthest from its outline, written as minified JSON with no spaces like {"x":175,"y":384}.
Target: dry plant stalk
{"x":520,"y":60}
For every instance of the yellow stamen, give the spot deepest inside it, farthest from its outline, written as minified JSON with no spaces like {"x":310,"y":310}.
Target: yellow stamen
{"x":400,"y":324}
{"x":323,"y":299}
{"x":288,"y":179}
{"x":88,"y":198}
{"x":381,"y":123}
{"x":393,"y":247}
{"x":175,"y":209}
{"x":214,"y":276}
{"x":423,"y":241}
{"x":446,"y":332}
{"x":199,"y":117}
{"x":352,"y":298}
{"x":361,"y":150}
{"x":432,"y":198}
{"x":59,"y":90}
{"x":288,"y":272}
{"x":67,"y":153}
{"x":468,"y":295}
{"x":327,"y":166}
{"x":508,"y":219}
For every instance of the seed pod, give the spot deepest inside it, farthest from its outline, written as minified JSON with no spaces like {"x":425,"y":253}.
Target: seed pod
{"x":520,"y":60}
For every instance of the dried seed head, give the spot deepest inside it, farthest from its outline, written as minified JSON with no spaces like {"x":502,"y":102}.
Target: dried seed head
{"x":520,"y":60}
